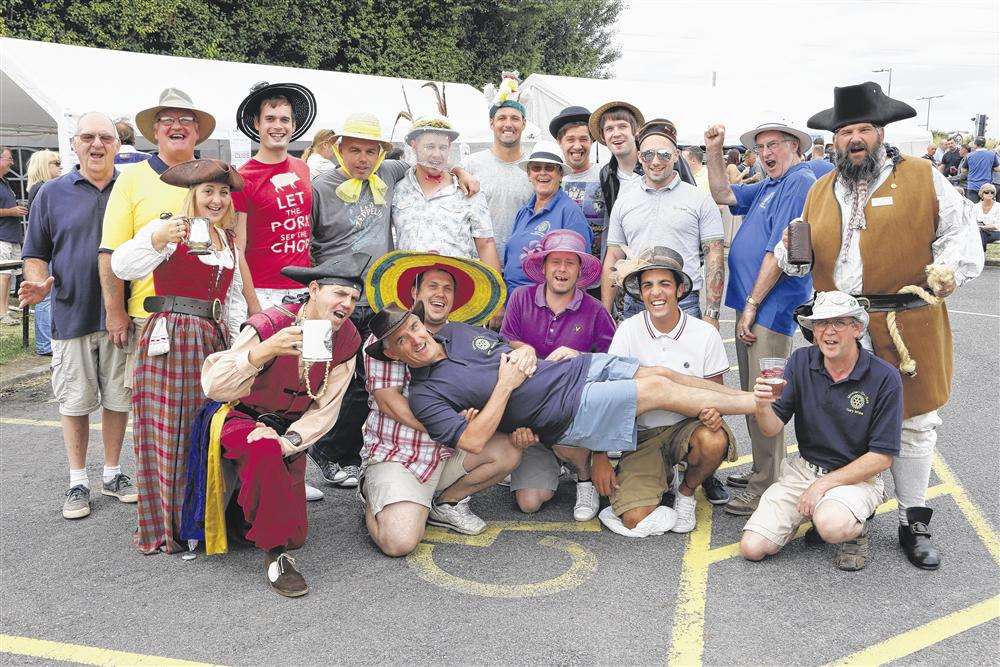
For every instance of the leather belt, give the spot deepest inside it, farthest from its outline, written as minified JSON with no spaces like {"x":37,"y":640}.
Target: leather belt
{"x":819,"y":470}
{"x":210,"y":310}
{"x":884,"y":303}
{"x":272,"y":419}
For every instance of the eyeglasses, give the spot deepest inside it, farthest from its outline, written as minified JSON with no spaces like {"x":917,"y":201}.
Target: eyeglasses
{"x":664,"y":155}
{"x":186,"y":121}
{"x":838,"y":324}
{"x":769,"y":146}
{"x":105,"y":138}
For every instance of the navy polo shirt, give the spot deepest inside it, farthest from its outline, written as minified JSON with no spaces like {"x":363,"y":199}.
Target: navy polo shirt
{"x":837,"y":422}
{"x":546,"y":402}
{"x":11,"y":229}
{"x":767,"y":208}
{"x":64,"y":229}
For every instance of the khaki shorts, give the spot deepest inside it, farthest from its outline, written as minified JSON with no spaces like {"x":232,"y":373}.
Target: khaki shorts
{"x":643,"y":474}
{"x":775,"y":517}
{"x":88,"y":373}
{"x":10,"y":251}
{"x":389,"y":482}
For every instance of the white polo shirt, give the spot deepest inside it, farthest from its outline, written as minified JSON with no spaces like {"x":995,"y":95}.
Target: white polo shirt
{"x":693,"y":347}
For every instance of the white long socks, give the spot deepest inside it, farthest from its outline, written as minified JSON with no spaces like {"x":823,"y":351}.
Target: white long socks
{"x":911,"y":475}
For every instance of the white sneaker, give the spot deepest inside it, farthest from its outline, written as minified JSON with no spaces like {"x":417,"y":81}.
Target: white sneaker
{"x":587,"y":502}
{"x":685,"y":508}
{"x":459,"y":517}
{"x":614,"y":455}
{"x":313,"y":494}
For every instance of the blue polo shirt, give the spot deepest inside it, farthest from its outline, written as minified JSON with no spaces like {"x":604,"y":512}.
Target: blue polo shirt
{"x":767,"y":208}
{"x":837,"y":422}
{"x":11,"y":229}
{"x":560,"y":213}
{"x":546,"y":402}
{"x":819,"y":168}
{"x":981,"y":163}
{"x":64,"y":230}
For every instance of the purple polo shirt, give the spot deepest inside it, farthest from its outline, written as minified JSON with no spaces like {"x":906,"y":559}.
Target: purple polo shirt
{"x":584,"y":326}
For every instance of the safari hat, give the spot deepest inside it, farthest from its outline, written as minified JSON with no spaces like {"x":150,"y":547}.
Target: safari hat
{"x":829,"y":305}
{"x":480,"y":291}
{"x":174,"y":98}
{"x":749,"y":139}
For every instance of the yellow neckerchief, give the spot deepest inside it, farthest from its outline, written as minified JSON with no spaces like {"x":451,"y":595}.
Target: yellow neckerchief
{"x":215,"y":488}
{"x":350,"y":190}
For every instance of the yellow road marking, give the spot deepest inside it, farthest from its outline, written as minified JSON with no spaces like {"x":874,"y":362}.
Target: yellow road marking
{"x":980,"y":523}
{"x":494,"y":528}
{"x":88,"y":655}
{"x":926,"y":635}
{"x":687,"y":642}
{"x":16,"y":421}
{"x":728,"y":340}
{"x":584,"y":563}
{"x":733,"y":550}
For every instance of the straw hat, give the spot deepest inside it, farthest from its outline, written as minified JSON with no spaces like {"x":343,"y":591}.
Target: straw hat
{"x":435,"y":123}
{"x":629,"y":270}
{"x":364,"y":125}
{"x":594,"y":125}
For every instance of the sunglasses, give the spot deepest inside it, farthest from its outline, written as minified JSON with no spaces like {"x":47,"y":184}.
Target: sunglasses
{"x":663,"y":154}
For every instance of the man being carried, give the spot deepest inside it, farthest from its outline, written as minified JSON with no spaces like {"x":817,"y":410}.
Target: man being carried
{"x":559,"y":320}
{"x":408,"y":479}
{"x":848,"y":408}
{"x":589,"y":401}
{"x":285,"y":405}
{"x":664,"y":335}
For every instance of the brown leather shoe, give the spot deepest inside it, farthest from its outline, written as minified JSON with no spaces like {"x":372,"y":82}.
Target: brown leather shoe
{"x":281,"y":573}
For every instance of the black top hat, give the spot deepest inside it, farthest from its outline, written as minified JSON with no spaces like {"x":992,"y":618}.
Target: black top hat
{"x":301,"y":98}
{"x":348,"y":271}
{"x":566,"y":116}
{"x":385,"y":322}
{"x":863,"y":103}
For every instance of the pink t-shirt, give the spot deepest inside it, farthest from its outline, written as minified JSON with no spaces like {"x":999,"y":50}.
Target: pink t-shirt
{"x":277,"y":199}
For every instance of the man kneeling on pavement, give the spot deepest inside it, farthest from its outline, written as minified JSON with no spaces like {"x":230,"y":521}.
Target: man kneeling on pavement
{"x":663,"y":334}
{"x":409,"y":480}
{"x":284,"y":405}
{"x":848,"y":408}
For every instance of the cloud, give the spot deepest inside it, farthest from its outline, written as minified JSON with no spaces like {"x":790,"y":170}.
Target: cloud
{"x":790,"y":55}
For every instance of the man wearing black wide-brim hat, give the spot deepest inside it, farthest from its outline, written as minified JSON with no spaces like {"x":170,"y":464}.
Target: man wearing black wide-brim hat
{"x":880,"y":222}
{"x":281,"y":404}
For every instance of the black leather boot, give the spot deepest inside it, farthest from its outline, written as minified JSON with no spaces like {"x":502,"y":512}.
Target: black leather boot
{"x":916,"y":539}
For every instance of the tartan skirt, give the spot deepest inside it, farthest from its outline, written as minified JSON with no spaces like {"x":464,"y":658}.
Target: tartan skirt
{"x":166,"y":397}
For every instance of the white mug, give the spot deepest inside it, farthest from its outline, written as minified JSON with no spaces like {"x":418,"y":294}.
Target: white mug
{"x":317,"y":340}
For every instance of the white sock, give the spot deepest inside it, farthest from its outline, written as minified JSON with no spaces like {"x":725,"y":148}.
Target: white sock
{"x":911,"y":475}
{"x":110,"y":473}
{"x":78,"y":477}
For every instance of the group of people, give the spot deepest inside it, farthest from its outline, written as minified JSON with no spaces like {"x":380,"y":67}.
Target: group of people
{"x":510,"y":318}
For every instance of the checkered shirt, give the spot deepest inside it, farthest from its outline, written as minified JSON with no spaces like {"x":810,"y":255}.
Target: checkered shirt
{"x":385,"y":438}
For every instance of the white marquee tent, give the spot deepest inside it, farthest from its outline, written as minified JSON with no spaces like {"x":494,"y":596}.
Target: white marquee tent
{"x":44,"y":87}
{"x":693,"y":108}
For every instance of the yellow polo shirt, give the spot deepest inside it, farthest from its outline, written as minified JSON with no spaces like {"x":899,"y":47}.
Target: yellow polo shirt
{"x":138,"y":198}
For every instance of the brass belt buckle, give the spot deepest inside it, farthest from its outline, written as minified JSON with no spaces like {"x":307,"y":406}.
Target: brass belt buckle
{"x":217,"y":310}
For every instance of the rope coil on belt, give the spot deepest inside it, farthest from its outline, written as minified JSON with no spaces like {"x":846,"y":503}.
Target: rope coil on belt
{"x":937,"y":277}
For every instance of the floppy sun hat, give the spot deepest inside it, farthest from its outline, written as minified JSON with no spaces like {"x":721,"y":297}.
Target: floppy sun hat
{"x":830,"y":305}
{"x":561,"y":240}
{"x":363,"y":125}
{"x":749,"y":139}
{"x":174,"y":98}
{"x":480,"y":291}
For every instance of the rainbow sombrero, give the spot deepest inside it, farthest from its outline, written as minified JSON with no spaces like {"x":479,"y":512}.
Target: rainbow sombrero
{"x":479,"y":289}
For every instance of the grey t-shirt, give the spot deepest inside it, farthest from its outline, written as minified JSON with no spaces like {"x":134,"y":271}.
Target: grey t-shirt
{"x":340,"y":229}
{"x":506,"y":187}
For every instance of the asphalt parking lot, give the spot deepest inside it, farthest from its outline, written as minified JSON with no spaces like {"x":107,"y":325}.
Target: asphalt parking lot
{"x":537,"y":589}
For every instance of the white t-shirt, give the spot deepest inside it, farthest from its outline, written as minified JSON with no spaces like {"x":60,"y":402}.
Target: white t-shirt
{"x":693,"y":347}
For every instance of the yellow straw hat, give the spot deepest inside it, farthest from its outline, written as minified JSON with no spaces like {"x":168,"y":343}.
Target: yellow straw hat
{"x":364,"y":125}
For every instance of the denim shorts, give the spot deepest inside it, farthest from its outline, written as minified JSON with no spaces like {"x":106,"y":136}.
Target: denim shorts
{"x":605,"y":419}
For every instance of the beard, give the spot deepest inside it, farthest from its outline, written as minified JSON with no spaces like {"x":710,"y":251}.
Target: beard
{"x":866,"y":170}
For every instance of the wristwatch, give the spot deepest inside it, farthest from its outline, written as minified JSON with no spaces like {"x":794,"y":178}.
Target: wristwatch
{"x":753,"y":302}
{"x":293,"y":438}
{"x":712,"y":312}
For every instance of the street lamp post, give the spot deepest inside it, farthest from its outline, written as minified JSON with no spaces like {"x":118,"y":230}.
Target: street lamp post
{"x":889,"y":70}
{"x":929,"y":98}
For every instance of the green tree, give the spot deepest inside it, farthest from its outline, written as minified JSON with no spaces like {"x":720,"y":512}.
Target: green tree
{"x":469,"y":41}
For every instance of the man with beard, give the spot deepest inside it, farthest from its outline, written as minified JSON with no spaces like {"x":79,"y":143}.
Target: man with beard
{"x":877,"y":223}
{"x":499,"y":169}
{"x":409,"y":479}
{"x":761,"y":295}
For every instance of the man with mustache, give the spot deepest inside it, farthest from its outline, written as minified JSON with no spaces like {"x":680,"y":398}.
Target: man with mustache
{"x":876,"y":223}
{"x":762,"y":296}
